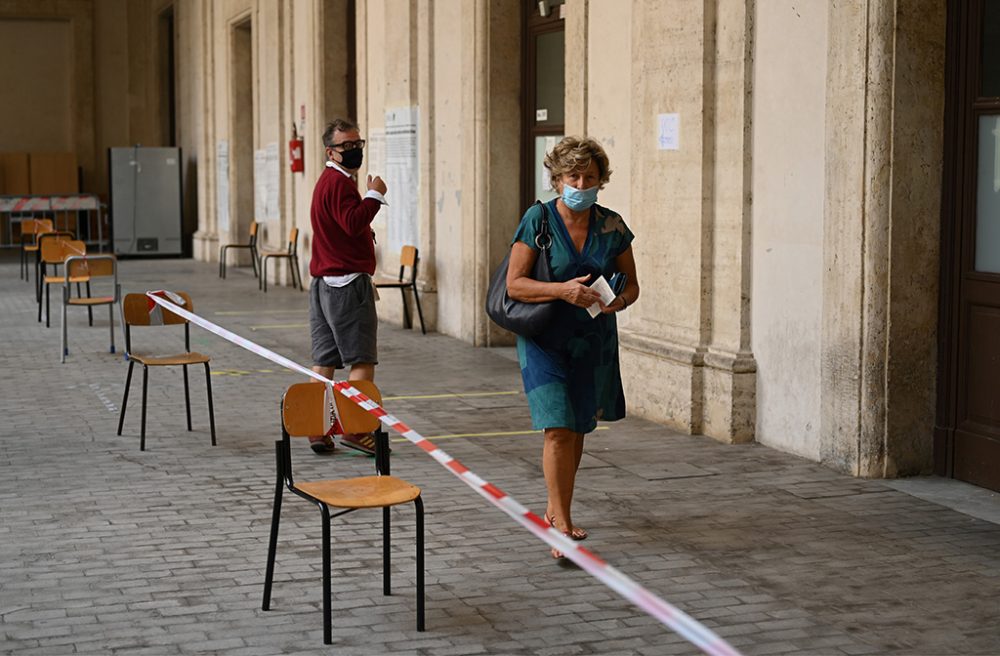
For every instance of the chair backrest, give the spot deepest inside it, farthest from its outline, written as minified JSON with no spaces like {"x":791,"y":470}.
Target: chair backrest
{"x":293,"y":240}
{"x":53,"y":235}
{"x":305,"y":409}
{"x":55,"y":251}
{"x":93,"y":266}
{"x":408,"y":258}
{"x":254,"y":227}
{"x":135,"y":310}
{"x":36,"y":226}
{"x":353,"y":418}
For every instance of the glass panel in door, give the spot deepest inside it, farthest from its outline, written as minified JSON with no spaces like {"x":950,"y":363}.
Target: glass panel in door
{"x":988,"y":195}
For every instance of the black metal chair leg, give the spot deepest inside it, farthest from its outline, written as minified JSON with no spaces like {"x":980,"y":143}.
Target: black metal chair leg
{"x":327,"y":620}
{"x":420,"y":313}
{"x":222,"y":263}
{"x":272,"y":546}
{"x":211,"y":407}
{"x":386,"y":571}
{"x":90,"y":308}
{"x":418,"y":502}
{"x":128,"y":381}
{"x":407,"y":321}
{"x":111,"y":324}
{"x":187,"y":396}
{"x":47,"y":317}
{"x":263,"y":274}
{"x":142,"y":434}
{"x":253,"y":261}
{"x":298,"y":273}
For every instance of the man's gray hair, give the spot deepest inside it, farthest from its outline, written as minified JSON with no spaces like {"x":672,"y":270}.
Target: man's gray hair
{"x":337,"y":125}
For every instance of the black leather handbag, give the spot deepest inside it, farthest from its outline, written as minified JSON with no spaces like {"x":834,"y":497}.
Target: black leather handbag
{"x":525,"y":319}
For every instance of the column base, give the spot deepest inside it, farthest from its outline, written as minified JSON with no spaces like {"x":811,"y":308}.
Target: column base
{"x":691,"y":389}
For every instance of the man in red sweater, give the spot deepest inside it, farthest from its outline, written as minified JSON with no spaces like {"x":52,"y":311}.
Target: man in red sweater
{"x":342,"y":317}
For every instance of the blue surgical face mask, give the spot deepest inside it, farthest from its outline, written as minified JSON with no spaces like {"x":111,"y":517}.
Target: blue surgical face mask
{"x":579,"y":199}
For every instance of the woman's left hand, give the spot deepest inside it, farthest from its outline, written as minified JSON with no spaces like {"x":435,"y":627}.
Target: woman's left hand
{"x":616,"y":305}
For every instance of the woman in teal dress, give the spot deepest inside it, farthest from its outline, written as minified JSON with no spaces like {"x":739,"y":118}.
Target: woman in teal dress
{"x":570,"y":372}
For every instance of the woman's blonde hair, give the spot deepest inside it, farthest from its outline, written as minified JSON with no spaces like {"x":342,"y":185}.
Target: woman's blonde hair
{"x":575,"y":154}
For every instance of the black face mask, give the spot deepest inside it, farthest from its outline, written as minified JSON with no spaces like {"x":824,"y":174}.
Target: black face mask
{"x":351,"y":159}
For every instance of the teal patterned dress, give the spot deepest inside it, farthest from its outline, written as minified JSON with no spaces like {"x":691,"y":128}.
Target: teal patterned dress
{"x":570,"y":372}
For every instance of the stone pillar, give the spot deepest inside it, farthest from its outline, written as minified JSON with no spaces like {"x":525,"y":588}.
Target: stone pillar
{"x":685,"y":346}
{"x":883,"y":136}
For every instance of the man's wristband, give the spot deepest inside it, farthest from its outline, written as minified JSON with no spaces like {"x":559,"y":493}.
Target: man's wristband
{"x":624,"y":301}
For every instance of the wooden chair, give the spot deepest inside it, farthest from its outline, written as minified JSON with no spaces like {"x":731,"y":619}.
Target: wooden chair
{"x":55,"y":251}
{"x":305,"y":410}
{"x":135,"y":312}
{"x":251,"y":244}
{"x":40,"y":267}
{"x":89,"y":267}
{"x":408,"y":257}
{"x":291,"y":253}
{"x":30,"y":229}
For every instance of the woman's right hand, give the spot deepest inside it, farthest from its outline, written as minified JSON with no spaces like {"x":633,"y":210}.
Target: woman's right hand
{"x":575,"y":292}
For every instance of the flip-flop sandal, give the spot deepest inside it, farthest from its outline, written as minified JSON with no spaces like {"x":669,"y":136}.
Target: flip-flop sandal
{"x":362,"y":442}
{"x":575,"y":533}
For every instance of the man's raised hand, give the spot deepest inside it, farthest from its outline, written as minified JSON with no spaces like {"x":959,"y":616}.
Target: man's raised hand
{"x":375,"y":183}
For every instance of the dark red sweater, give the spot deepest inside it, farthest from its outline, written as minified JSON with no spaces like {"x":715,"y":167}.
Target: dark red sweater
{"x":341,"y":223}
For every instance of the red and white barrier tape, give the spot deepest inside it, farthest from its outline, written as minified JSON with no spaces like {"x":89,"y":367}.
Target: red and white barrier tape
{"x":679,"y":621}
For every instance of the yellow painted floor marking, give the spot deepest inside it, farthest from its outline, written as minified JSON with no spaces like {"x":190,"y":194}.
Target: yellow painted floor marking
{"x":446,"y":396}
{"x":233,"y":313}
{"x":279,"y":325}
{"x":494,"y":434}
{"x":242,"y":372}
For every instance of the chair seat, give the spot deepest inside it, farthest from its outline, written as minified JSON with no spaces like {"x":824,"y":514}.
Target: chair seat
{"x":362,"y":492}
{"x":390,"y":282}
{"x":30,"y":247}
{"x":95,"y":300}
{"x":274,"y":253}
{"x":169,"y":360}
{"x":58,"y":280}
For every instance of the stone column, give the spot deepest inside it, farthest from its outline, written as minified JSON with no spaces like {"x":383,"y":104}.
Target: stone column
{"x":884,"y":122}
{"x":685,"y":347}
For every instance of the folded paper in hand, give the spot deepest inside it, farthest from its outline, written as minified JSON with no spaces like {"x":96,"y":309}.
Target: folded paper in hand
{"x":602,"y":287}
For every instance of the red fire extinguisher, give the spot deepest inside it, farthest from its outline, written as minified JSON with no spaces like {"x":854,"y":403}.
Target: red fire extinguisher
{"x":295,"y":148}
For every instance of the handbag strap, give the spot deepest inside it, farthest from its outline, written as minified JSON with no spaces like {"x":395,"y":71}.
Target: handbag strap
{"x":544,"y":236}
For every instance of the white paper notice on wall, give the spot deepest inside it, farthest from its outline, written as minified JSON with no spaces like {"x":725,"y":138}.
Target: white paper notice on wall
{"x":267,"y":182}
{"x":272,"y":167}
{"x":541,"y":114}
{"x":222,"y":186}
{"x":402,"y":176}
{"x":259,"y":174}
{"x":550,"y":143}
{"x":668,"y":135}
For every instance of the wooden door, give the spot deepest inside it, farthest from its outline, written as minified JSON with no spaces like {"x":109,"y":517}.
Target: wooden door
{"x":968,"y":438}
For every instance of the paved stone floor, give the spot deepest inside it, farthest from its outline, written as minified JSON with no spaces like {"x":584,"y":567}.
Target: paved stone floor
{"x":106,"y":549}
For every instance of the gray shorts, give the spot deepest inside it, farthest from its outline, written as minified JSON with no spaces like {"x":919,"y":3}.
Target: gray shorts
{"x":343,"y":323}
